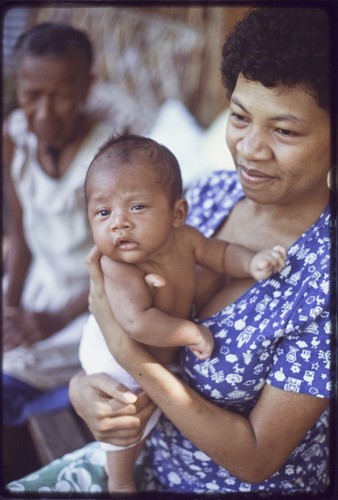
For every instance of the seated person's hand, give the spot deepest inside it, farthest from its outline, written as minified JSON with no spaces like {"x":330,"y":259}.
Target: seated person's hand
{"x":266,"y":262}
{"x":22,"y":328}
{"x":112,"y":413}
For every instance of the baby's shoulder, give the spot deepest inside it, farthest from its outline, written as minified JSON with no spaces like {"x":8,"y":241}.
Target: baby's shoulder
{"x":189,"y":234}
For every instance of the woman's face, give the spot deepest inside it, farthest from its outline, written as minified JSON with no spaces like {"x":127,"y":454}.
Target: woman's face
{"x":280,"y":142}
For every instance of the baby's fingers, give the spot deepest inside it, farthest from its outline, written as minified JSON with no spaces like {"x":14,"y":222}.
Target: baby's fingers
{"x":280,"y":250}
{"x":280,"y":254}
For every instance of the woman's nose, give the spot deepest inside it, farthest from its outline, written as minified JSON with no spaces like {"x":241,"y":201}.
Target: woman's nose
{"x":253,"y":146}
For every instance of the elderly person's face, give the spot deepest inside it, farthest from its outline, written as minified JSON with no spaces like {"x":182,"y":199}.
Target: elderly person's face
{"x":280,"y":141}
{"x":51,"y":92}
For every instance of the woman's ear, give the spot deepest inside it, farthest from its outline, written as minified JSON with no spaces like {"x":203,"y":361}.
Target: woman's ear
{"x":181,"y":208}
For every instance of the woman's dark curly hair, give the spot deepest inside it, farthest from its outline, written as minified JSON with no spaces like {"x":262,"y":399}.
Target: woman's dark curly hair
{"x":280,"y":47}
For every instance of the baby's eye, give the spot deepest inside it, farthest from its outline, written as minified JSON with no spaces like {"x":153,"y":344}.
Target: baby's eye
{"x":103,"y":212}
{"x":137,"y":207}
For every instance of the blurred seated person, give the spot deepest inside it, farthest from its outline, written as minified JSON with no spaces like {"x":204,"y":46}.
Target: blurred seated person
{"x":48,"y":144}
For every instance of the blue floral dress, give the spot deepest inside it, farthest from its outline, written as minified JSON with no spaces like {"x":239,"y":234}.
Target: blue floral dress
{"x":278,"y":332}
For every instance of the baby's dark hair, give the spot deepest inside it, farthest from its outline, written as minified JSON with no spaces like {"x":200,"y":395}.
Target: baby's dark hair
{"x":127,"y":149}
{"x":55,"y":40}
{"x":280,"y":47}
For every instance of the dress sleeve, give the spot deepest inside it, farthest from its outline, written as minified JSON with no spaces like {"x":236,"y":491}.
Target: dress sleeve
{"x":302,"y":362}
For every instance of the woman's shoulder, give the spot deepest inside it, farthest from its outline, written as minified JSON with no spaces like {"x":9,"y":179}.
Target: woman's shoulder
{"x":312,"y":249}
{"x":214,"y":181}
{"x":211,"y":199}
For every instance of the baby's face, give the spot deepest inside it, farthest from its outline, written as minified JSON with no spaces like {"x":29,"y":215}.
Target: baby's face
{"x":130,"y":217}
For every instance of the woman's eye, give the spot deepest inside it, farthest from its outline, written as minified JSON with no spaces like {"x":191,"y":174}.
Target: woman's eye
{"x":237,"y":117}
{"x":286,"y":133}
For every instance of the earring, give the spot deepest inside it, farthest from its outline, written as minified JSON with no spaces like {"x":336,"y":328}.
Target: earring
{"x":330,"y":178}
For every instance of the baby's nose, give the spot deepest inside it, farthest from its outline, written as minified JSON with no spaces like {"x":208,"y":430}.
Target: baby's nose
{"x":120,"y":222}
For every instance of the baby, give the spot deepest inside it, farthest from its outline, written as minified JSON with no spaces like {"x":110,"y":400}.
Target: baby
{"x":137,"y":215}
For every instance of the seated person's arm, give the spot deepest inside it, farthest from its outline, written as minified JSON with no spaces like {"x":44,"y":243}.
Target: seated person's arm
{"x":21,"y":327}
{"x":18,"y":256}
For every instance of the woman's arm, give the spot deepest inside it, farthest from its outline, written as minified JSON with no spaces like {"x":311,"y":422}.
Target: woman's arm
{"x":251,"y":448}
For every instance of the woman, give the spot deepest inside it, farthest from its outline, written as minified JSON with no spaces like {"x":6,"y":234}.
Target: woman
{"x":255,"y":415}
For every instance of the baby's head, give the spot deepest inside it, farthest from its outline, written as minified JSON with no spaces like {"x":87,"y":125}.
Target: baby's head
{"x":134,"y":199}
{"x":130,"y":154}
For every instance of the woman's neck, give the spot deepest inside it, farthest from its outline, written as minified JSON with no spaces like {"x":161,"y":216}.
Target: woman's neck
{"x":262,"y":226}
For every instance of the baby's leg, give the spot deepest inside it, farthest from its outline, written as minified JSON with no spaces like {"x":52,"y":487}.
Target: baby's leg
{"x":121,"y":469}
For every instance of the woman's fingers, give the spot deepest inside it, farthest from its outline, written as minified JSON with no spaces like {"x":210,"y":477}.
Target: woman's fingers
{"x":125,"y":429}
{"x":93,"y":257}
{"x":154,"y":280}
{"x":112,"y":390}
{"x":94,"y":266}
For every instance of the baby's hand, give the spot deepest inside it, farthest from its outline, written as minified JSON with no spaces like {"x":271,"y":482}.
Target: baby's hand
{"x":266,"y":262}
{"x":204,"y":348}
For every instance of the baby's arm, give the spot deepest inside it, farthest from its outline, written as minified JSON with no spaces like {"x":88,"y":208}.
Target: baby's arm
{"x":236,"y":260}
{"x":268,"y":261}
{"x":131,"y":303}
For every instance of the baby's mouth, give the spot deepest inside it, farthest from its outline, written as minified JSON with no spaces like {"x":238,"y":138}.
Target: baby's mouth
{"x":125,"y":243}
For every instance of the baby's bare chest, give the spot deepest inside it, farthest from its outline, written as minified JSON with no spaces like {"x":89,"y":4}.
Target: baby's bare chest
{"x":177,"y":296}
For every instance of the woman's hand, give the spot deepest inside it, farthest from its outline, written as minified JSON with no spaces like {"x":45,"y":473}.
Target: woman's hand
{"x":112,"y":413}
{"x":21,"y":328}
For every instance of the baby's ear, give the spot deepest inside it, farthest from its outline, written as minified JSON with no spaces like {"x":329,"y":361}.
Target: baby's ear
{"x":180,"y":212}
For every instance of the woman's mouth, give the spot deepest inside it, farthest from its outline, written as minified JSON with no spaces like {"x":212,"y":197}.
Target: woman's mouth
{"x":251,"y":176}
